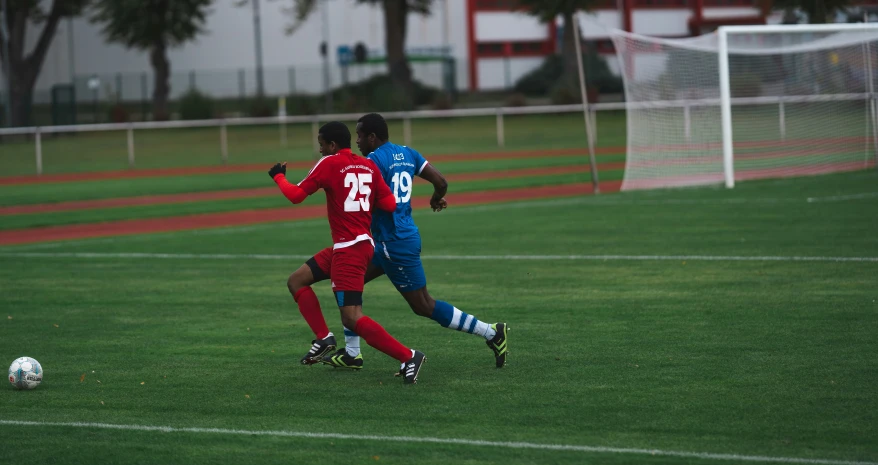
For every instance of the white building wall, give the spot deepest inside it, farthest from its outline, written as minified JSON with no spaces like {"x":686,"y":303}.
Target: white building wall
{"x":670,"y":22}
{"x":730,"y":12}
{"x":597,"y":24}
{"x":502,"y":26}
{"x":502,"y":73}
{"x":228,"y":45}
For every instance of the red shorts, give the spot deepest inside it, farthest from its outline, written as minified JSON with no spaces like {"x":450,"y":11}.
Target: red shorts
{"x":346,"y":267}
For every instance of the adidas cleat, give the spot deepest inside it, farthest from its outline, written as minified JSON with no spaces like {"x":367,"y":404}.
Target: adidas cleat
{"x":412,"y":368}
{"x":319,"y":348}
{"x":499,"y":343}
{"x":341,"y":359}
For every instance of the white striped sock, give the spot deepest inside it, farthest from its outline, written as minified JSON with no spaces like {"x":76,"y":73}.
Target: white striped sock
{"x":455,"y":320}
{"x":485,"y":330}
{"x":351,"y":343}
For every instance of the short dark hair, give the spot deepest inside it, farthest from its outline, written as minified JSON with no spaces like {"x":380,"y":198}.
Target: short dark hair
{"x":373,"y":123}
{"x":337,"y":132}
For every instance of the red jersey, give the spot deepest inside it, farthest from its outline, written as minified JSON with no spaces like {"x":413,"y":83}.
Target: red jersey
{"x":353,"y":185}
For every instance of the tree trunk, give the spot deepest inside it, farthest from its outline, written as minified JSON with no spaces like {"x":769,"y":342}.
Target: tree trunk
{"x":22,"y":96}
{"x":568,"y":49}
{"x":161,"y":88}
{"x":821,"y":14}
{"x":25,"y":68}
{"x":395,"y":17}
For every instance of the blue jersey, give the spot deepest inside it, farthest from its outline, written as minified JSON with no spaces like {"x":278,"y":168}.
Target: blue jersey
{"x":398,"y":165}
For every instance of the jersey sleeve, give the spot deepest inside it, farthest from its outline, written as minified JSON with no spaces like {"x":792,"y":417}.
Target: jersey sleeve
{"x":384,"y":198}
{"x":420,"y":161}
{"x":314,"y":180}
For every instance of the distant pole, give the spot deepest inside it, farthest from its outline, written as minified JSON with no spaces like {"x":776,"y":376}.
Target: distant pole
{"x":326,"y":77}
{"x":445,"y":23}
{"x":70,"y":56}
{"x":588,"y":126}
{"x":446,"y":53}
{"x":4,"y":34}
{"x":257,"y":39}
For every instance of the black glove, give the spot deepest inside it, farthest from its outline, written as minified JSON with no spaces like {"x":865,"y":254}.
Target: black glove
{"x":277,"y":169}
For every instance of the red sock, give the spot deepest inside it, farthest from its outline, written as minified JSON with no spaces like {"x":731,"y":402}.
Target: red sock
{"x":377,"y":337}
{"x":309,"y":307}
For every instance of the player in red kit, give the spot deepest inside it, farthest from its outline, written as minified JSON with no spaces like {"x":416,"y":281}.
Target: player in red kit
{"x":353,"y":186}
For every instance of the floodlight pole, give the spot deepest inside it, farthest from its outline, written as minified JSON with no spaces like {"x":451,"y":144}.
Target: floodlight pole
{"x":326,"y":75}
{"x":4,"y":35}
{"x":589,"y":128}
{"x":257,"y":38}
{"x":70,"y":55}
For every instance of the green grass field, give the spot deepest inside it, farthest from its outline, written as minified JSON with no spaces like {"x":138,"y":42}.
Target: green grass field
{"x":641,"y":333}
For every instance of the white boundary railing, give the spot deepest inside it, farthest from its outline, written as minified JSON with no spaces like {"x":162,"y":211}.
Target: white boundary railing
{"x":406,"y":117}
{"x":283,"y":121}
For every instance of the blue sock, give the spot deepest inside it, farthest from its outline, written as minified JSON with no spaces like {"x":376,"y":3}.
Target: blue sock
{"x":451,"y":317}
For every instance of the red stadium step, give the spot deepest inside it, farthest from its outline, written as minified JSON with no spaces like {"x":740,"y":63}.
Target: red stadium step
{"x":195,"y":170}
{"x":272,"y":190}
{"x":242,"y":218}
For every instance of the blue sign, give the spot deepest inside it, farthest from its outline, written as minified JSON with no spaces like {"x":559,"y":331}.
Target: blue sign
{"x":345,"y":55}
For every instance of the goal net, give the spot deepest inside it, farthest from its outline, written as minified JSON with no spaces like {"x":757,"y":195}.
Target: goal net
{"x":797,"y":101}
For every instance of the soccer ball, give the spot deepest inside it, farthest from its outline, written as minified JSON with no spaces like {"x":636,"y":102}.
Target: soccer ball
{"x":25,"y":373}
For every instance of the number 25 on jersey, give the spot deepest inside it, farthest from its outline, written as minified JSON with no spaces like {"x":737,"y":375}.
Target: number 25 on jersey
{"x":359,"y":185}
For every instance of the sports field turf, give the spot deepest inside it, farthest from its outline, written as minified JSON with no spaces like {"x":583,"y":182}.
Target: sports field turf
{"x":675,"y":326}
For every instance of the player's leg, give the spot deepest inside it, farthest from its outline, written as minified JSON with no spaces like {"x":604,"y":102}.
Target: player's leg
{"x":406,"y":272}
{"x":449,"y":316}
{"x":348,"y":272}
{"x":349,"y":356}
{"x":317,"y":268}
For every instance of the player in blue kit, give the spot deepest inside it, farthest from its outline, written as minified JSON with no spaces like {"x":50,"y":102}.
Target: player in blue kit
{"x":398,"y":244}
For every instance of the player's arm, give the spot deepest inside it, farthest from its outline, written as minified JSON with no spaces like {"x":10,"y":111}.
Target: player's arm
{"x":292,"y":192}
{"x":440,"y":186}
{"x":383,"y":196}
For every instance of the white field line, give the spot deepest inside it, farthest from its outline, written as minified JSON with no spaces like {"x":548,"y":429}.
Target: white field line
{"x":837,"y":198}
{"x":435,"y":440}
{"x":195,"y":256}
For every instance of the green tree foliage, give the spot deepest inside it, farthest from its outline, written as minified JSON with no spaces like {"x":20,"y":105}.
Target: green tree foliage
{"x":548,"y":10}
{"x":395,"y":29}
{"x":818,"y":11}
{"x":153,"y":26}
{"x":25,"y":66}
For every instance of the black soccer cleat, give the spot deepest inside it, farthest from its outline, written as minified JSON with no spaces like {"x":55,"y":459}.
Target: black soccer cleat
{"x":413,"y":367}
{"x":499,"y":344}
{"x":341,"y":359}
{"x":319,"y":348}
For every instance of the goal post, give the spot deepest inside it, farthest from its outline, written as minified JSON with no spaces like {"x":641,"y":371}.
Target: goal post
{"x":749,"y":102}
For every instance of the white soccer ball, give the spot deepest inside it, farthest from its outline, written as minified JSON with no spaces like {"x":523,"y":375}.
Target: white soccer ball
{"x":25,"y":373}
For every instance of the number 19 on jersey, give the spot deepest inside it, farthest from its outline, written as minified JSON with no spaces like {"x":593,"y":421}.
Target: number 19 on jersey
{"x":402,"y":187}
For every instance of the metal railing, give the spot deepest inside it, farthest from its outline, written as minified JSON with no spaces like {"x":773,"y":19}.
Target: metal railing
{"x":283,"y":121}
{"x":685,"y":105}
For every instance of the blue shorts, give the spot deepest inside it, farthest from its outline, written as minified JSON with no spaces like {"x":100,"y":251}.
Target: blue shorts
{"x":401,"y":262}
